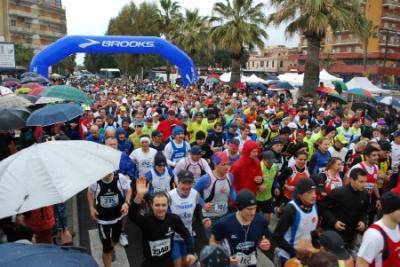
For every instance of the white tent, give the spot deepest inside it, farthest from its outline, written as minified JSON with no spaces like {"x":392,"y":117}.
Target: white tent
{"x":225,"y":77}
{"x":364,"y":83}
{"x":252,"y":79}
{"x":297,"y":79}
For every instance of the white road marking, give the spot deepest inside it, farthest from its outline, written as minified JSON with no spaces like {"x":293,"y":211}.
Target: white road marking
{"x":96,"y":248}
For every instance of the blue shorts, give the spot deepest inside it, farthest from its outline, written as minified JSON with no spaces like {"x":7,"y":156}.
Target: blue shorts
{"x":179,"y":249}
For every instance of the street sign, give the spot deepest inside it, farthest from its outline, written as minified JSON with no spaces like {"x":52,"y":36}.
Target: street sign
{"x":7,"y":55}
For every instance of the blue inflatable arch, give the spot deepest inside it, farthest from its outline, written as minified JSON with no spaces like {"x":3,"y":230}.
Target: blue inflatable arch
{"x":68,"y":45}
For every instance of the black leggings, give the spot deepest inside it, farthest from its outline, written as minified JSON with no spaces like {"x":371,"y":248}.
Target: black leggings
{"x":108,"y":233}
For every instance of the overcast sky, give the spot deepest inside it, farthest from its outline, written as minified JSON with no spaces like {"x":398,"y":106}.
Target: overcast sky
{"x":90,"y":17}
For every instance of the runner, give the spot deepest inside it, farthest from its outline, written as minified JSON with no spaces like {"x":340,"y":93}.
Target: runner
{"x":109,"y":201}
{"x":143,"y":156}
{"x":177,"y":148}
{"x":158,"y":228}
{"x":244,"y":230}
{"x":381,"y":242}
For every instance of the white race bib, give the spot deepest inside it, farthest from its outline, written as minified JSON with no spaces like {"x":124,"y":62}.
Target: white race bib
{"x":160,"y":247}
{"x":245,"y":260}
{"x":219,"y":207}
{"x":109,"y":201}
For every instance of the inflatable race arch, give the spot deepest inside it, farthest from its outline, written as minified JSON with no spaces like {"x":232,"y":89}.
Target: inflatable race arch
{"x":68,"y":45}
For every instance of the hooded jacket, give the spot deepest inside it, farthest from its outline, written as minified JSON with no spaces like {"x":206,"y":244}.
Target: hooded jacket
{"x":125,"y":145}
{"x":245,"y":169}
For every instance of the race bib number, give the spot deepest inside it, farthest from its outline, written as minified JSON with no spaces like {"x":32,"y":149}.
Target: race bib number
{"x":246,"y":260}
{"x":109,"y":201}
{"x":160,"y":247}
{"x":369,"y":187}
{"x":219,"y":207}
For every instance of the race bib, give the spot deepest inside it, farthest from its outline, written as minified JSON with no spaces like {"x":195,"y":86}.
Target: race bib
{"x":246,"y":260}
{"x":109,"y":201}
{"x":160,"y":247}
{"x":369,"y":187}
{"x":219,"y":207}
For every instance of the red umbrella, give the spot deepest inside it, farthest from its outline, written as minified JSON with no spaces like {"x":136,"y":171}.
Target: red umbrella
{"x":326,"y":90}
{"x":37,"y":90}
{"x":213,"y":75}
{"x":32,"y":85}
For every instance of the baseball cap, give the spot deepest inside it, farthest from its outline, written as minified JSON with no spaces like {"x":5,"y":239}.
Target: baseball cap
{"x":390,"y":202}
{"x":276,"y":140}
{"x":196,"y":150}
{"x":234,"y":143}
{"x":219,"y":158}
{"x":245,"y":198}
{"x":214,"y":256}
{"x":333,"y":242}
{"x":171,"y":112}
{"x":341,"y":139}
{"x":305,"y":185}
{"x":156,"y":133}
{"x":139,"y":123}
{"x":396,"y":134}
{"x":185,"y":176}
{"x":293,"y":112}
{"x":155,"y":114}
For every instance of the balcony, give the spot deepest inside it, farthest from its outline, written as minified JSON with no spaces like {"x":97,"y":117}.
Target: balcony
{"x":52,"y":34}
{"x":345,"y":42}
{"x":23,"y":30}
{"x":20,"y":13}
{"x":391,"y":17}
{"x":391,"y":3}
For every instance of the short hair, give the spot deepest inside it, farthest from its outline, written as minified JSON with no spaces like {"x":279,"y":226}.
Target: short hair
{"x":160,"y":194}
{"x":303,"y":117}
{"x":370,"y":149}
{"x":332,"y":161}
{"x":98,"y":118}
{"x":200,"y":135}
{"x":322,"y":258}
{"x":218,"y":124}
{"x":300,"y":152}
{"x":356,"y":173}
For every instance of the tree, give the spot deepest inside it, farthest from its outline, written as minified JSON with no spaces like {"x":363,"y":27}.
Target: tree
{"x":94,"y":62}
{"x":169,"y":19}
{"x":239,"y":25}
{"x":312,"y":19}
{"x":192,"y":33}
{"x":367,"y":31}
{"x":136,"y":20}
{"x":23,"y":55}
{"x":65,"y":66}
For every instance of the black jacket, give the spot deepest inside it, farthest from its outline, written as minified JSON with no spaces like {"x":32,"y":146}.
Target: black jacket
{"x":346,"y":205}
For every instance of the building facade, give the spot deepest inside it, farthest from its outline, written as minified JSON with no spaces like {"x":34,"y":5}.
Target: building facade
{"x":343,"y":52}
{"x":34,"y":23}
{"x":273,"y":59}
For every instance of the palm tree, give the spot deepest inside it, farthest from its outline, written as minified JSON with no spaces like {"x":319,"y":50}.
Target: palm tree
{"x":239,"y":25}
{"x":169,"y":16}
{"x":368,"y":31}
{"x":192,"y":33}
{"x":312,"y":19}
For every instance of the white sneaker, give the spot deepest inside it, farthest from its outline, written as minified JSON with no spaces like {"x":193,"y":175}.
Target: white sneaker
{"x":123,"y":239}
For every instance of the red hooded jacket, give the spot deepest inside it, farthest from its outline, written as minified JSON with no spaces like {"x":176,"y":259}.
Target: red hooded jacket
{"x":165,"y":127}
{"x":245,"y":169}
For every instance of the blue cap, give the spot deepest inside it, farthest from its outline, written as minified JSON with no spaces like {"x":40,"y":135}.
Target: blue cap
{"x":196,"y":150}
{"x":177,"y":130}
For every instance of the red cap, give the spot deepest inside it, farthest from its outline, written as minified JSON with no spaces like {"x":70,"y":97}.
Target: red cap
{"x":293,"y":112}
{"x":171,"y":112}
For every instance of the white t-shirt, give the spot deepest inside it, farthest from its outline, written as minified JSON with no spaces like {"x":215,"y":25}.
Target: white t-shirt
{"x":372,"y":243}
{"x":395,"y":156}
{"x":144,"y":161}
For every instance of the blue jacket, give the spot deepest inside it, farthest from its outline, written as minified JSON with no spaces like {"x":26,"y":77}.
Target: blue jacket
{"x":127,"y":167}
{"x":124,"y":145}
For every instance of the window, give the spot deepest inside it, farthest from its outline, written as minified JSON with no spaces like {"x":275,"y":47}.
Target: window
{"x":281,"y":64}
{"x":267,"y":63}
{"x":273,"y":63}
{"x":13,"y":23}
{"x":262,"y":64}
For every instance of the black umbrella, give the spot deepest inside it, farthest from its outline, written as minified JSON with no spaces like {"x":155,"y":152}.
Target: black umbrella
{"x":281,"y":85}
{"x":368,"y":108}
{"x":336,"y":98}
{"x":13,"y":118}
{"x":31,"y":98}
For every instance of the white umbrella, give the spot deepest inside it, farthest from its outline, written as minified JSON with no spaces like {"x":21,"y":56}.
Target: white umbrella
{"x":52,"y":172}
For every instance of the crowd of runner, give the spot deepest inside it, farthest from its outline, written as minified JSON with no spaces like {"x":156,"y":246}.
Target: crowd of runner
{"x":237,"y":177}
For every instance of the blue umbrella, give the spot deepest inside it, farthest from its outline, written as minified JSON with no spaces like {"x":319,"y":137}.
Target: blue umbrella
{"x":388,"y":100}
{"x":280,"y":85}
{"x":50,"y":115}
{"x":255,"y":86}
{"x":42,"y":255}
